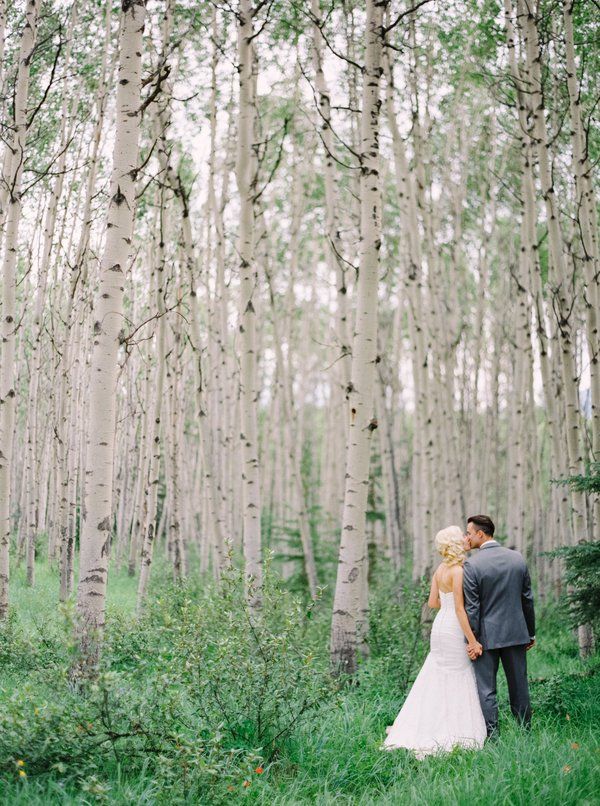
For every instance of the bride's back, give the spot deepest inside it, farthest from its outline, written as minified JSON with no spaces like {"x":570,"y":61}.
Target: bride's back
{"x":444,"y":577}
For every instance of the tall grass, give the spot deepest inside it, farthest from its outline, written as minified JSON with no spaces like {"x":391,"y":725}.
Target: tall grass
{"x":332,"y":756}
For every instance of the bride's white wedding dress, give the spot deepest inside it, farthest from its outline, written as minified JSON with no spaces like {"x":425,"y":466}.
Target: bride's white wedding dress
{"x":442,"y":708}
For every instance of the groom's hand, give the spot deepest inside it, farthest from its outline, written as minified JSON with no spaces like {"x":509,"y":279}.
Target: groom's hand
{"x":529,"y":645}
{"x":474,"y":650}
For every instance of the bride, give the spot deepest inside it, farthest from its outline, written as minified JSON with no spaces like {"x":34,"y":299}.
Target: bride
{"x":442,"y":708}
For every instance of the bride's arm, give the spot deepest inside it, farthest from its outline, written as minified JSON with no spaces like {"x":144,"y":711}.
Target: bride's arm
{"x":459,"y":606}
{"x":434,"y":594}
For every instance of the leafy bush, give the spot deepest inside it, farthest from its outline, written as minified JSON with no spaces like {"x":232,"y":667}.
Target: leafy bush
{"x":565,"y":695}
{"x":136,"y":726}
{"x":21,"y":652}
{"x":195,"y":691}
{"x":252,"y":676}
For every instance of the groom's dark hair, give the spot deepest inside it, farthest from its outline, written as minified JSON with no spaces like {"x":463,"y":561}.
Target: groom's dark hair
{"x":483,"y":523}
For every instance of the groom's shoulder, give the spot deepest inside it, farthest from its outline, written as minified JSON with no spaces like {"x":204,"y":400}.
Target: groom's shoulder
{"x":487,"y":555}
{"x":514,"y":554}
{"x":473,"y":560}
{"x":511,"y":558}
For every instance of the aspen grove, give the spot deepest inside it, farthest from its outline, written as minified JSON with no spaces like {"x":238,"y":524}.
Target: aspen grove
{"x":296,"y":283}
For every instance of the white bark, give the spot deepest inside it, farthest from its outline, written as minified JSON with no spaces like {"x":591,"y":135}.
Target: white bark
{"x":107,"y":331}
{"x":245,"y":175}
{"x":350,"y":610}
{"x":560,"y":275}
{"x":8,"y":325}
{"x":586,"y":212}
{"x":155,"y":434}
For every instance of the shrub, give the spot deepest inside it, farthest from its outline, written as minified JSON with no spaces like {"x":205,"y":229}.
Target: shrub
{"x":566,"y":694}
{"x":196,"y":692}
{"x":252,"y":676}
{"x":20,"y":652}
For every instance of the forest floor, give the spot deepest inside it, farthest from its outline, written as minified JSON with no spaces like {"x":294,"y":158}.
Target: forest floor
{"x":330,"y":756}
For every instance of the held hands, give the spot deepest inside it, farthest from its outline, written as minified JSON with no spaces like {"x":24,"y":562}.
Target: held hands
{"x":474,"y":650}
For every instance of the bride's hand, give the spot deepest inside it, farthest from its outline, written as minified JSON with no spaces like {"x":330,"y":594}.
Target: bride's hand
{"x":474,"y":650}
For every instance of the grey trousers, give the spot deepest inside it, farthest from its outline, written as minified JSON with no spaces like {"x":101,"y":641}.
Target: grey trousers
{"x":514,"y":663}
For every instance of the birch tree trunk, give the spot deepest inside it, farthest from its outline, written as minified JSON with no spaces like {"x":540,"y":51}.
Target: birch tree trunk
{"x":13,"y":177}
{"x":413,"y":280}
{"x":587,"y":217}
{"x":389,"y":473}
{"x":107,"y":332}
{"x":2,"y":43}
{"x":559,"y":272}
{"x":350,"y":608}
{"x":155,"y":436}
{"x":246,"y":182}
{"x":285,"y":391}
{"x":337,"y":267}
{"x":529,"y":251}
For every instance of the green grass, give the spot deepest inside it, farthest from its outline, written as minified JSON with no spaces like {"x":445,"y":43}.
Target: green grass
{"x":37,"y":611}
{"x":334,"y":756}
{"x":556,"y":763}
{"x":31,"y":606}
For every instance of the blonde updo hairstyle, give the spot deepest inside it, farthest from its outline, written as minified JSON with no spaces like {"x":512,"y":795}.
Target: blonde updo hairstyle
{"x":450,"y":545}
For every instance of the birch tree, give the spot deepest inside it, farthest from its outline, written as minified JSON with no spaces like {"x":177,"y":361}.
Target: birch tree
{"x":220,"y":346}
{"x":246,"y":182}
{"x":350,"y":608}
{"x":12,"y":178}
{"x":108,"y":330}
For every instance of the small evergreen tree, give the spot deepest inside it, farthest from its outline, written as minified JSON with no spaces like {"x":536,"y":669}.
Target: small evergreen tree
{"x":582,"y":562}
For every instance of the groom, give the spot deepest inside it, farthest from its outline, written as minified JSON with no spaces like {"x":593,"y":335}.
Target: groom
{"x":499,"y":605}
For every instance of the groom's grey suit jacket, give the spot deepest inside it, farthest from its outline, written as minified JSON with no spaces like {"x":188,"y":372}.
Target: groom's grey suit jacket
{"x":498,"y":597}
